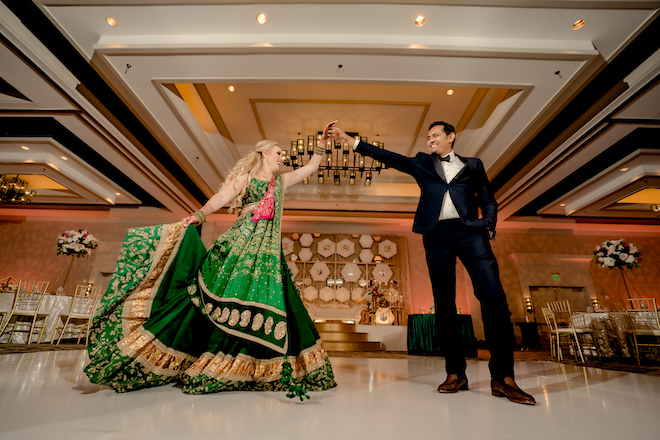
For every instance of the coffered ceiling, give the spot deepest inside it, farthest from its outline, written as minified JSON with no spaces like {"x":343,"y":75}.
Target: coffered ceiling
{"x":137,"y":119}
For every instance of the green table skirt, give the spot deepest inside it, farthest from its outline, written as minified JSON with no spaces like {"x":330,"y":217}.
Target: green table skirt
{"x":423,"y":336}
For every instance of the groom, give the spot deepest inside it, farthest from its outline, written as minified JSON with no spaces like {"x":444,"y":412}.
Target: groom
{"x":453,"y":189}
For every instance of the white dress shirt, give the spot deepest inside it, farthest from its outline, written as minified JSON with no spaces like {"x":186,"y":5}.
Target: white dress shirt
{"x":451,"y":169}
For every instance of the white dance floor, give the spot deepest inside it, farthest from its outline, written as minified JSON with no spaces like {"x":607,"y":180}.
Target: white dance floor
{"x":46,"y":395}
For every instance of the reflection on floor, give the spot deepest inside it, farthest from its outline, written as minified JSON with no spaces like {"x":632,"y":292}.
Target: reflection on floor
{"x":46,"y":395}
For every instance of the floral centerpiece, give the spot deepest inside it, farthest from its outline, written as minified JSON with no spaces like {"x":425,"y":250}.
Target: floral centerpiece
{"x":76,"y":243}
{"x":617,"y":253}
{"x":8,"y":286}
{"x":375,"y":298}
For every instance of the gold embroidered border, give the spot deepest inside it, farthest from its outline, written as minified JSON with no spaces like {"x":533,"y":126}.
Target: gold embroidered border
{"x":220,"y":299}
{"x":138,"y":343}
{"x":238,"y":333}
{"x":137,"y":307}
{"x":154,"y":356}
{"x":243,"y":368}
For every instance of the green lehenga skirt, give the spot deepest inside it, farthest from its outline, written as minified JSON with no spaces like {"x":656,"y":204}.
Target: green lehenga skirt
{"x":210,"y":321}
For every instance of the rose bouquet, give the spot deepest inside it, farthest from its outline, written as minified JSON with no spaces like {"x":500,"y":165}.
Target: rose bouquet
{"x":76,"y":243}
{"x":8,"y":286}
{"x":617,"y":253}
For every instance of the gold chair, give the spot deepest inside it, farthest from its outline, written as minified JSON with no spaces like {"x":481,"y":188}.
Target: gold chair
{"x":26,"y":310}
{"x":5,"y":284}
{"x":550,"y":324}
{"x":561,"y":318}
{"x":30,"y":286}
{"x":79,"y":317}
{"x":559,"y":336}
{"x":645,"y":325}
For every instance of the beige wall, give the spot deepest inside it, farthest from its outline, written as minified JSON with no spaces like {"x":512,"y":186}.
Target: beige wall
{"x":28,"y":250}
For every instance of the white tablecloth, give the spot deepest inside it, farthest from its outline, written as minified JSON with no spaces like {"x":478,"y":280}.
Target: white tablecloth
{"x":53,"y":305}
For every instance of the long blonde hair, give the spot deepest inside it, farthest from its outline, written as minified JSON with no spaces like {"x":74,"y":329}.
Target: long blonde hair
{"x":250,"y":164}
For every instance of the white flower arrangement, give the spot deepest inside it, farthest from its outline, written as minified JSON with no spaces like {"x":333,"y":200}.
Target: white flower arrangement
{"x":617,"y":253}
{"x":76,"y":243}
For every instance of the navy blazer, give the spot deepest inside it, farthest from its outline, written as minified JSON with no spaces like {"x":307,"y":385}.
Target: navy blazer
{"x":469,"y":189}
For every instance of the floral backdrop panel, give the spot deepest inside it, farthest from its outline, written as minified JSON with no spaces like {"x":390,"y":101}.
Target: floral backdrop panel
{"x":334,"y":275}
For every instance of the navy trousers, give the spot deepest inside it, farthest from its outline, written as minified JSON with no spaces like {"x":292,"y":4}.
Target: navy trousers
{"x":450,"y":240}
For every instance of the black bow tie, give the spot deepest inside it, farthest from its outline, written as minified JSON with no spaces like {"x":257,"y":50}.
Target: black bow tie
{"x":447,"y":158}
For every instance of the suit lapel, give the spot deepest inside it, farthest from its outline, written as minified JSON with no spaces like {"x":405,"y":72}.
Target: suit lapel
{"x":466,"y":168}
{"x":438,"y":167}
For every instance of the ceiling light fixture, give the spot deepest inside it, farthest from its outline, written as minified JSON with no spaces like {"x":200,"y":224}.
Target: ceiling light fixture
{"x":623,"y":169}
{"x":562,"y":204}
{"x":420,"y":20}
{"x":578,"y":24}
{"x":340,"y":159}
{"x":25,"y":147}
{"x":655,"y":208}
{"x":111,"y":21}
{"x":450,"y":92}
{"x":64,"y":158}
{"x":14,"y":190}
{"x":231,"y":88}
{"x":262,"y":19}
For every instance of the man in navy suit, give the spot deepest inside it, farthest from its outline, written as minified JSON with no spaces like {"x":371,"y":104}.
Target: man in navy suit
{"x":453,"y":190}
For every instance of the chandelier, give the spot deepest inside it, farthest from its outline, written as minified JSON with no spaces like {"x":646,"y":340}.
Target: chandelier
{"x":14,"y":190}
{"x":339,"y":160}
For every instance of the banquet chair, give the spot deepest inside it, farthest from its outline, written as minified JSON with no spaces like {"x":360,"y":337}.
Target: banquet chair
{"x":547,"y":315}
{"x":559,"y":336}
{"x":562,"y":321}
{"x":645,"y":325}
{"x":30,"y":286}
{"x":5,"y":285}
{"x":79,"y":316}
{"x":25,"y":313}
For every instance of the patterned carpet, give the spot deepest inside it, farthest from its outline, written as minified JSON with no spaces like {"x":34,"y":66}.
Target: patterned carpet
{"x":483,"y":355}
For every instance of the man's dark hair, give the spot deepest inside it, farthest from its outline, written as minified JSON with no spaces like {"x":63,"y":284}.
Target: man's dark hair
{"x":448,"y":128}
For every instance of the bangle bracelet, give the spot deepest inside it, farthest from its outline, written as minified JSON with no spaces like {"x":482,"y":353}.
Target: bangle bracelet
{"x":200,"y":216}
{"x":319,"y":150}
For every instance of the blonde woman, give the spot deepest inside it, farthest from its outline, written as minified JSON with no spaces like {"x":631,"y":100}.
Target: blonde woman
{"x":225,"y":319}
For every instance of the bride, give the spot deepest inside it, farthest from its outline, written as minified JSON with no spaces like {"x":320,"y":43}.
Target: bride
{"x":229,"y":318}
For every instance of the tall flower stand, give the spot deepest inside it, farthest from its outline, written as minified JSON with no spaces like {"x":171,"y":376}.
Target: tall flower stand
{"x":68,"y":276}
{"x":625,"y":283}
{"x":620,"y":254}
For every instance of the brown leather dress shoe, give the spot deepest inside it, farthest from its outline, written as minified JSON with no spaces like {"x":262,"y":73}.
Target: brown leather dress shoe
{"x":508,"y":388}
{"x":453,"y":384}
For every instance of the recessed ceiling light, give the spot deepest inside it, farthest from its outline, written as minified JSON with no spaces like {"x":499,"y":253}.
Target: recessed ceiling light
{"x":111,"y":21}
{"x":231,"y":88}
{"x":562,"y":204}
{"x":117,"y":194}
{"x":420,"y":20}
{"x":25,"y":147}
{"x":624,"y":169}
{"x":578,"y":24}
{"x":64,"y":158}
{"x":262,"y":19}
{"x":450,"y":92}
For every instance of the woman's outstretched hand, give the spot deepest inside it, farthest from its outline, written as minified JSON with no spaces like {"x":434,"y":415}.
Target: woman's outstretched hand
{"x":190,"y":220}
{"x":327,"y":131}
